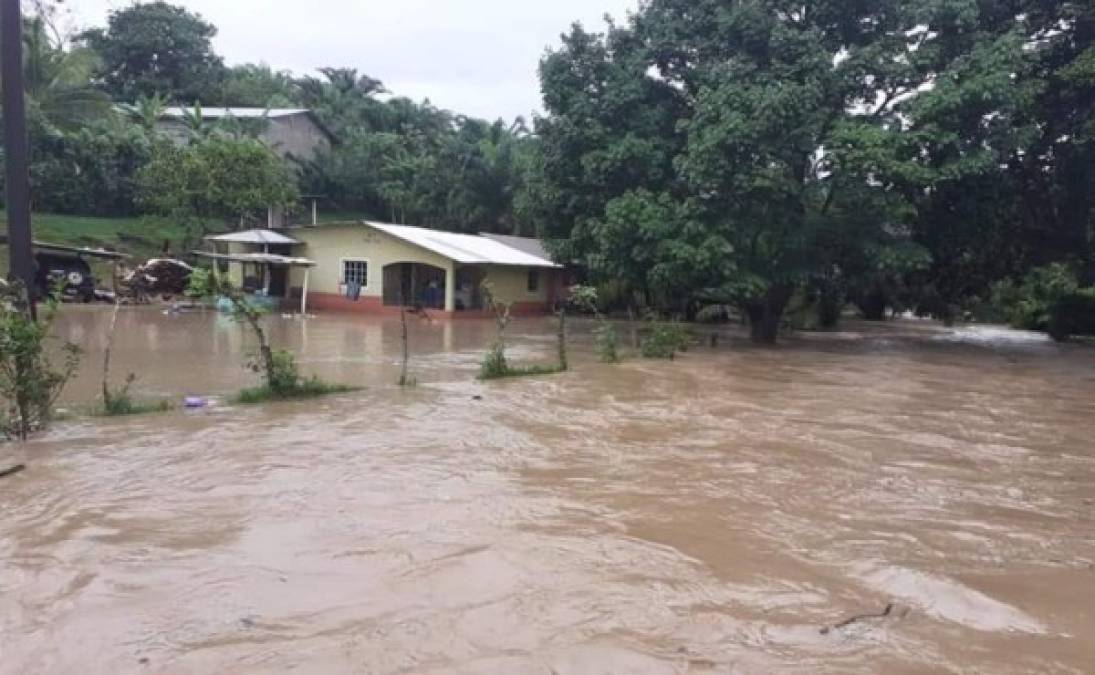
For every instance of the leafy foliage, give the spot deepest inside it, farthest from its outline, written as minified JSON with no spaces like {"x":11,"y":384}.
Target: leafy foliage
{"x":606,"y":341}
{"x":30,"y":382}
{"x":119,"y":402}
{"x":664,"y":339}
{"x":494,"y":365}
{"x":1073,"y":314}
{"x":1030,"y":305}
{"x":60,"y":94}
{"x":281,"y":376}
{"x":898,"y":154}
{"x":412,"y":163}
{"x":156,"y":48}
{"x":215,"y":179}
{"x":91,"y":170}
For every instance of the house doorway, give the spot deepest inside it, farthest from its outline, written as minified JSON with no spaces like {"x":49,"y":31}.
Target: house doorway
{"x":278,"y":280}
{"x":468,"y":294}
{"x":406,"y":284}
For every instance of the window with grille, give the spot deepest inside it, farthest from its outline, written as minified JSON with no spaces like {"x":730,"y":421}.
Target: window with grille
{"x":355,"y":272}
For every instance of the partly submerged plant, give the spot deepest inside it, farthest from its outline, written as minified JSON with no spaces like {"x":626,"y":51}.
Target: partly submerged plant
{"x":30,"y":382}
{"x":494,"y":363}
{"x":664,"y":340}
{"x":606,"y":340}
{"x":282,"y":378}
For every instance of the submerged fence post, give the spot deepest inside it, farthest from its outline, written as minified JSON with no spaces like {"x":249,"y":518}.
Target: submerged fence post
{"x":563,"y":365}
{"x":406,"y":348}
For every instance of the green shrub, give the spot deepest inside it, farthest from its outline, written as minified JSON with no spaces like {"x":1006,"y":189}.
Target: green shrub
{"x":284,"y":375}
{"x":664,"y":340}
{"x":1030,"y":305}
{"x":201,"y":283}
{"x":118,"y":401}
{"x":606,"y":342}
{"x":1073,"y":314}
{"x":306,"y":388}
{"x":284,"y":381}
{"x":494,"y":363}
{"x":496,"y":367}
{"x":29,"y":381}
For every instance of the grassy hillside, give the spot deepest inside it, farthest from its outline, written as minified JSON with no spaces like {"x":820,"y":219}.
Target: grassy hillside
{"x":141,"y":237}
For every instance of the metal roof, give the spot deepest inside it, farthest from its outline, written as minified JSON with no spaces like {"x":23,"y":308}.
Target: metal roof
{"x":211,"y":113}
{"x":256,"y":236}
{"x":529,"y":245}
{"x":464,"y":248}
{"x":258,"y":258}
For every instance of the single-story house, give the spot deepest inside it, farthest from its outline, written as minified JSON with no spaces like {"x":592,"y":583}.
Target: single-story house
{"x":376,"y":267}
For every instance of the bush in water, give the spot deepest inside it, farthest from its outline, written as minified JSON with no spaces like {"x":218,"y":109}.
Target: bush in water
{"x":605,"y":338}
{"x":29,"y":382}
{"x":1073,"y":314}
{"x":664,"y":340}
{"x":278,"y":367}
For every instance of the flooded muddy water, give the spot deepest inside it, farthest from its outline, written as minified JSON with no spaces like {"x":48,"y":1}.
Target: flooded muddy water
{"x":898,"y":498}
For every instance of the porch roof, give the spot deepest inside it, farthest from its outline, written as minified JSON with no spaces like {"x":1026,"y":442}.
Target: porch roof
{"x":256,"y":236}
{"x":257,"y":258}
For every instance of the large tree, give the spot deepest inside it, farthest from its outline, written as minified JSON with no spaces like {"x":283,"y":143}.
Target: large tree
{"x":155,"y":47}
{"x":1008,"y":132}
{"x":58,"y":78}
{"x":748,"y":147}
{"x":215,"y":180}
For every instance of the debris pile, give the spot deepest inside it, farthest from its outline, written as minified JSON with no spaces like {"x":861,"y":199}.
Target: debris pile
{"x":165,"y":277}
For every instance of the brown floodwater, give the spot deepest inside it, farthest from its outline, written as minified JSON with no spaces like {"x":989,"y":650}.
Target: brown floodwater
{"x":736,"y":510}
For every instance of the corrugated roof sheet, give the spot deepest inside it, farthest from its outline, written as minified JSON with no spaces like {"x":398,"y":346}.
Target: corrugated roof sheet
{"x":529,"y":245}
{"x":468,"y":249}
{"x":257,"y":236}
{"x":261,"y":258}
{"x":179,"y":112}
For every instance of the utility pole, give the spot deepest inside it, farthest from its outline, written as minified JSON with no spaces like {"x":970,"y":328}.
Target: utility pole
{"x":16,"y":162}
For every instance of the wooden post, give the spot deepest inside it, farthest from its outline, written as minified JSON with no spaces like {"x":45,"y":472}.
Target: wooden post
{"x":406,"y":349}
{"x":16,"y":155}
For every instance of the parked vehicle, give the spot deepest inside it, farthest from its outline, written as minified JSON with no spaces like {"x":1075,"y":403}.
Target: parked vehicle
{"x":68,"y":273}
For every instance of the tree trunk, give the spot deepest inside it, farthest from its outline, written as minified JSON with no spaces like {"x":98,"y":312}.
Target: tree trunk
{"x":265,"y":352}
{"x":829,"y":304}
{"x":106,"y":354}
{"x":765,"y":313}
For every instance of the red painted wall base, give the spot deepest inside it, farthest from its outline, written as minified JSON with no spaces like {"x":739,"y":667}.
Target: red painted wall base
{"x":368,"y":304}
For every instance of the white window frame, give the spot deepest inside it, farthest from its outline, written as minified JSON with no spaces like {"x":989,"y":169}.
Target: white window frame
{"x":539,"y":280}
{"x":342,"y":270}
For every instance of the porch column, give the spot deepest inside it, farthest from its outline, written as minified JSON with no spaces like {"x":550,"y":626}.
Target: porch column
{"x":304,"y":293}
{"x":450,"y":287}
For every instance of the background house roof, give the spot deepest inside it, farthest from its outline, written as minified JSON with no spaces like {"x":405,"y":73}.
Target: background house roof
{"x":467,"y":248}
{"x":257,"y":236}
{"x":215,"y":113}
{"x":180,"y":112}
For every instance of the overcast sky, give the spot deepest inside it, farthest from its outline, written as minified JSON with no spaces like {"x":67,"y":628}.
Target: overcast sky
{"x":476,"y":57}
